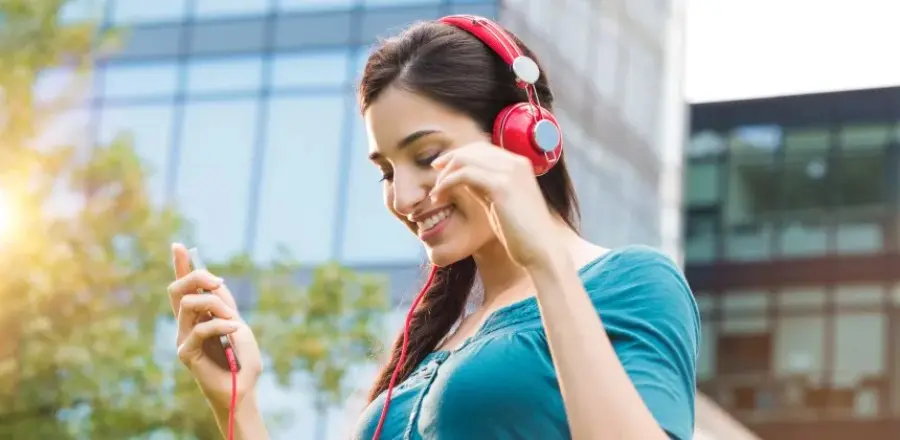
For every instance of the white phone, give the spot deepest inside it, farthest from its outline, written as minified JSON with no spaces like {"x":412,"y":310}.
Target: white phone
{"x":214,"y":349}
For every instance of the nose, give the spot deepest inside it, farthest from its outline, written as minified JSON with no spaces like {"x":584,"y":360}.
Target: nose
{"x":410,"y":189}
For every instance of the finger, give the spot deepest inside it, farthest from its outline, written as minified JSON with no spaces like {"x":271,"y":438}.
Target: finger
{"x":483,"y":183}
{"x":181,"y":259}
{"x":191,"y":283}
{"x":195,"y":307}
{"x":192,"y":346}
{"x":481,"y":154}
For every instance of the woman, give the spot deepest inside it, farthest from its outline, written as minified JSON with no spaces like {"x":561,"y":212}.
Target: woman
{"x":571,"y":340}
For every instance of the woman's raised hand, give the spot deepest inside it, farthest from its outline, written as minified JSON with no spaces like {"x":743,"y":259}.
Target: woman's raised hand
{"x":198,"y":334}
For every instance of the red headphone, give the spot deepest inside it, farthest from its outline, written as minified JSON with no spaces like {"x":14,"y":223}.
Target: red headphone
{"x":523,"y":128}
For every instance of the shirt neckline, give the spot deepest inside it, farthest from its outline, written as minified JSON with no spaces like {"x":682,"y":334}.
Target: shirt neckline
{"x":511,"y":314}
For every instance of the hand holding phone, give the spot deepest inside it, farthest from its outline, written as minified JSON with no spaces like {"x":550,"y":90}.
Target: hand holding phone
{"x":210,"y":334}
{"x":205,"y":310}
{"x":213,"y":347}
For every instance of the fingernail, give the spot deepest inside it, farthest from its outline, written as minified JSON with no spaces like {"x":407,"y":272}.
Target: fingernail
{"x":232,"y":325}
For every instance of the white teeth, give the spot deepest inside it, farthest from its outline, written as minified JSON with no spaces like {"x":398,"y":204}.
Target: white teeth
{"x":432,"y":221}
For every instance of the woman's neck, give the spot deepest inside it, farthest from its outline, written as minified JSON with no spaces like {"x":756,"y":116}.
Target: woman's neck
{"x":502,"y":278}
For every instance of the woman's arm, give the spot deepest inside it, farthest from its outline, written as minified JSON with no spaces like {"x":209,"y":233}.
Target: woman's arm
{"x":248,"y":421}
{"x":601,"y":398}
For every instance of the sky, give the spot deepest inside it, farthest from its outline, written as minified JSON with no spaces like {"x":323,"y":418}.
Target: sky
{"x":737,"y":49}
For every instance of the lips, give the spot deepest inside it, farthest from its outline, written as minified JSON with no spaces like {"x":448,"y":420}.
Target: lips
{"x":434,"y":219}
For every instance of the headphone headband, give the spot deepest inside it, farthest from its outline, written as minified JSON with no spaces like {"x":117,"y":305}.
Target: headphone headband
{"x":491,"y":34}
{"x":524,"y":128}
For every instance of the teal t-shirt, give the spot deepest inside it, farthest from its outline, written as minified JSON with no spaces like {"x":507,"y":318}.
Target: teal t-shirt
{"x":501,"y":384}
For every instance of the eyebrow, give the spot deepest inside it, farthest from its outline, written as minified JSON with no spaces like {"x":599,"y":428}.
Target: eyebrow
{"x":405,"y":142}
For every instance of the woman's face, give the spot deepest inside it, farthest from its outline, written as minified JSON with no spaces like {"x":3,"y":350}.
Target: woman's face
{"x":406,"y":133}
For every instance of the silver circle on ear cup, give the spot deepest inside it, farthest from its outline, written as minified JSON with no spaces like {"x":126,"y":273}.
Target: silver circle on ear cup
{"x":526,"y":69}
{"x":546,"y":135}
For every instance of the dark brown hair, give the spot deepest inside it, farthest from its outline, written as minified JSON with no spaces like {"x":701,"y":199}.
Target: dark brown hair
{"x":455,"y":69}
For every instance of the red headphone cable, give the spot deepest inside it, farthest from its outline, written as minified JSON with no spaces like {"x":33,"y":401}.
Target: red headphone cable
{"x":402,"y":359}
{"x":232,"y":406}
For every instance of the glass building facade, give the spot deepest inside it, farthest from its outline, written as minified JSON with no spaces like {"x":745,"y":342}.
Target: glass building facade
{"x":793,"y":249}
{"x":246,"y":112}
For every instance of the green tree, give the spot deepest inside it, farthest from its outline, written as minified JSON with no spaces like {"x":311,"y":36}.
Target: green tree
{"x":85,"y":259}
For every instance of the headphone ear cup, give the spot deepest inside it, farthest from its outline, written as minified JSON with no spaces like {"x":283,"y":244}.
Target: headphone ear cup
{"x":516,"y":130}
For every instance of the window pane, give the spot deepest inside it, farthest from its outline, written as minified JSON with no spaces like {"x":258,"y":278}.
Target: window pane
{"x":384,"y":22}
{"x":805,"y":182}
{"x":799,"y":300}
{"x":750,"y":205}
{"x":805,"y":192}
{"x":75,"y":11}
{"x":861,"y":193}
{"x":800,"y":347}
{"x":150,"y":129}
{"x":702,"y":183}
{"x":361,"y":58}
{"x":373,"y":234}
{"x":807,"y":140}
{"x":225,"y":8}
{"x":313,"y":5}
{"x":705,"y":143}
{"x":214,"y":173}
{"x":700,"y":238}
{"x":858,"y":295}
{"x":483,"y":9}
{"x":864,"y":136}
{"x":300,"y":178}
{"x":399,"y":2}
{"x":862,"y":180}
{"x":804,"y":187}
{"x":706,"y":363}
{"x":310,"y":69}
{"x":127,"y":11}
{"x":155,"y":80}
{"x":228,"y":75}
{"x":853,"y":361}
{"x":745,"y":302}
{"x":756,"y":138}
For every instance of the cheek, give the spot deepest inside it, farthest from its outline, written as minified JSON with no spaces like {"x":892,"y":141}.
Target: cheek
{"x":472,"y":210}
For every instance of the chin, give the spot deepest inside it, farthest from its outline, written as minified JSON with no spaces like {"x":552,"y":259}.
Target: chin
{"x":445,"y":254}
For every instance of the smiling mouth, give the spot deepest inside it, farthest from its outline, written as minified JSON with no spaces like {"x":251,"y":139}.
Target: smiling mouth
{"x":433,"y":221}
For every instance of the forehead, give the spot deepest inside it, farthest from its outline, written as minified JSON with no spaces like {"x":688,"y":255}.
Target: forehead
{"x":398,"y":113}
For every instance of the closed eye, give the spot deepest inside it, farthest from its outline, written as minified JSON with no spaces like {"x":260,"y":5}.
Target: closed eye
{"x":426,"y":161}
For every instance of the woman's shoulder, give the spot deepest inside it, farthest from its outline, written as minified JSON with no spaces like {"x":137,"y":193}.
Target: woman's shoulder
{"x":630,"y":263}
{"x":638,"y":278}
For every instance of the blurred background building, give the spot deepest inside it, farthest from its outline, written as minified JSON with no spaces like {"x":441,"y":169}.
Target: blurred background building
{"x":793,"y":250}
{"x":246,"y":111}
